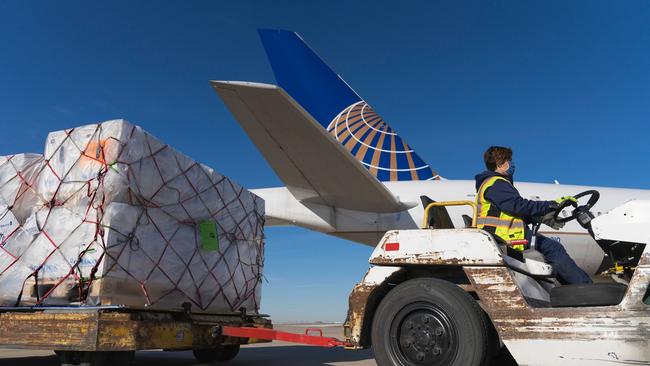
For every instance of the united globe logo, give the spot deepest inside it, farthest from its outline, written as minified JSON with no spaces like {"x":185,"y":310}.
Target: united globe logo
{"x":377,"y":146}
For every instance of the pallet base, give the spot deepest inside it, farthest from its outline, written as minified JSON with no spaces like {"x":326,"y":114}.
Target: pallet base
{"x":119,"y":330}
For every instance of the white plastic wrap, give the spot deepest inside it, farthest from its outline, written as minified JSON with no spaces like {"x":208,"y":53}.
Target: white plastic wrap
{"x":116,"y":221}
{"x":18,"y":174}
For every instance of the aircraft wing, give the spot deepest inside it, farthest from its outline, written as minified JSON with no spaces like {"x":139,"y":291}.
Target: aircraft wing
{"x":313,"y":165}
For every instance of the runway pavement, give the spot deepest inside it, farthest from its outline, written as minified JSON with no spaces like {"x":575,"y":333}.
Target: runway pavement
{"x":266,"y":354}
{"x":275,"y":353}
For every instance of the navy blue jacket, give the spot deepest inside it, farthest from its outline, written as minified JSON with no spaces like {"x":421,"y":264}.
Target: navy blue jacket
{"x":506,"y":197}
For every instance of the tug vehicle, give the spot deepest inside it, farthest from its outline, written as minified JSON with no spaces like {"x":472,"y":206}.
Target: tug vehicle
{"x":448,"y":296}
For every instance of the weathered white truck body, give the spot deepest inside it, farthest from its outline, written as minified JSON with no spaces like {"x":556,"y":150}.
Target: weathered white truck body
{"x":515,"y":294}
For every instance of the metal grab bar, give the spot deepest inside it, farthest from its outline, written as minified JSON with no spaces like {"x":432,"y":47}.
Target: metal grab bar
{"x":450,"y":203}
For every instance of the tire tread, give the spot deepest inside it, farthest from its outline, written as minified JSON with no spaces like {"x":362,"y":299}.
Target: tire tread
{"x":457,"y":299}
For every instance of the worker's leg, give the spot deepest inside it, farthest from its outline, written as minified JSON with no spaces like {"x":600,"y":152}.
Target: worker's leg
{"x":567,"y":270}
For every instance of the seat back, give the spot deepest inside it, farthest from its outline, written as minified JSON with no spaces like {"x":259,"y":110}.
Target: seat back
{"x":530,"y":267}
{"x":468,"y":221}
{"x":437,"y":216}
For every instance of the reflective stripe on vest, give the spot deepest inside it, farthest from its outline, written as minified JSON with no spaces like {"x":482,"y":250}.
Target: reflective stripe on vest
{"x":491,"y":221}
{"x":510,"y":229}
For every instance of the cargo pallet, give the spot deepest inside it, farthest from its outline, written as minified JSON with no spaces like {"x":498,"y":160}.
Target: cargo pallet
{"x":102,"y":335}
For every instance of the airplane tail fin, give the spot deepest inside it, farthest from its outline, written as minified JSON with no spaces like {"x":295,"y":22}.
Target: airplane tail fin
{"x":340,"y":110}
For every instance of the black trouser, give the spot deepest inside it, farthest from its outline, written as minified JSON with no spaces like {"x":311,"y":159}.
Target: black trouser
{"x":566,"y":268}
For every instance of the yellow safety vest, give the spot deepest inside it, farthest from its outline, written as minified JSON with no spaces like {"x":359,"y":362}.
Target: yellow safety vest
{"x":492,"y":219}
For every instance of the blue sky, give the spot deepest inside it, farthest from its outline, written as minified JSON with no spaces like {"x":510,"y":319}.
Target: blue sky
{"x":565,"y":83}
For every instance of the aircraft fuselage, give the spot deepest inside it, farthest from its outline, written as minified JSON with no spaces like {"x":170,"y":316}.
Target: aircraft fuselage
{"x":368,"y":227}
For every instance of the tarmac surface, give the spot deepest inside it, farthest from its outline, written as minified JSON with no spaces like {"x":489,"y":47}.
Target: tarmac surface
{"x":267,"y":354}
{"x":275,"y":353}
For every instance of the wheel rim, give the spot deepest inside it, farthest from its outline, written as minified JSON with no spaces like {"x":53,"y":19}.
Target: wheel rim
{"x":422,"y":334}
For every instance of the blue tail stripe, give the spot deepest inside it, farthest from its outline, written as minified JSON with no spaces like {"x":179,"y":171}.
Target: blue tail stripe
{"x":371,"y":152}
{"x":397,"y":143}
{"x":383,"y":175}
{"x":386,"y":144}
{"x":401,"y":160}
{"x":384,"y":159}
{"x":404,"y":176}
{"x":424,"y":174}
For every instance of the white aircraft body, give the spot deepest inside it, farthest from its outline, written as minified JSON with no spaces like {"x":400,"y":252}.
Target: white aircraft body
{"x":347,"y":172}
{"x":367,"y":228}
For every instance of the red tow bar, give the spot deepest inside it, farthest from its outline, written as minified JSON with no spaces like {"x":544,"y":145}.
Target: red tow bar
{"x":276,"y":335}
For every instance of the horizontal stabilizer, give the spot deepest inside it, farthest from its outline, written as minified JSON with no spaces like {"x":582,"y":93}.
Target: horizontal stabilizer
{"x":312,"y":164}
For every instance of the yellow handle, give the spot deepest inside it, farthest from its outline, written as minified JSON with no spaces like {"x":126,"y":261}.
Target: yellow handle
{"x":450,"y":203}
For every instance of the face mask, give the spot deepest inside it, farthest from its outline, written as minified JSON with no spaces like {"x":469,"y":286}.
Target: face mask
{"x":511,"y":169}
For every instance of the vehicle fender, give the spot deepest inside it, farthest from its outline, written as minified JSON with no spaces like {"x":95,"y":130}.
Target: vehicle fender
{"x":363,"y":301}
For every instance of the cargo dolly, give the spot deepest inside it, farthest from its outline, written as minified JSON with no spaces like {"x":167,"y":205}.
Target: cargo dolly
{"x":110,"y":335}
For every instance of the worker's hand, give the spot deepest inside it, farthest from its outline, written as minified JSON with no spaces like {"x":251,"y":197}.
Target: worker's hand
{"x":560,"y":201}
{"x":550,"y":221}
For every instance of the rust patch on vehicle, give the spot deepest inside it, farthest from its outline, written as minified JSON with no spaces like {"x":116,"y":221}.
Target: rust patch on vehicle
{"x":428,"y":258}
{"x":514,"y":319}
{"x":358,"y":302}
{"x":495,"y":288}
{"x":637,"y":290}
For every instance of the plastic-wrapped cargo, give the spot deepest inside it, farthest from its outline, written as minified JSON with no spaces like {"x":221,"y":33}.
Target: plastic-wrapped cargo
{"x":18,"y":174}
{"x":123,"y":219}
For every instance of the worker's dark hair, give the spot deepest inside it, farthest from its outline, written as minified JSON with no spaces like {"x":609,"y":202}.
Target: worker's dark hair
{"x":495,"y":156}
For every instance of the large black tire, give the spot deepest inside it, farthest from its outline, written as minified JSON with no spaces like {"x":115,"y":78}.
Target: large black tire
{"x":228,"y":353}
{"x":493,"y":341}
{"x":217,"y":354}
{"x":427,"y":321}
{"x":503,"y":358}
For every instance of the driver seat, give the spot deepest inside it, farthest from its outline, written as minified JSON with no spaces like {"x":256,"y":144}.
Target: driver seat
{"x":516,"y":261}
{"x":530,"y":267}
{"x":595,"y":294}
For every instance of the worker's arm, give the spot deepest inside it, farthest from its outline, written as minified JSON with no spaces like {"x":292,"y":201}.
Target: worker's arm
{"x":508,"y":199}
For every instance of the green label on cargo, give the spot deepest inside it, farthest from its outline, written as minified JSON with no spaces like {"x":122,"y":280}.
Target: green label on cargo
{"x":209,"y":237}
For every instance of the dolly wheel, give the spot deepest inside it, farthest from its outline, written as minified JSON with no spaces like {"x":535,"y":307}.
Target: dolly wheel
{"x":220,"y":353}
{"x":121,"y":358}
{"x":427,"y":321}
{"x":81,"y":358}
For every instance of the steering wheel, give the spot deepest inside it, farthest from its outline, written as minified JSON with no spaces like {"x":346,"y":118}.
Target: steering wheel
{"x":594,"y":196}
